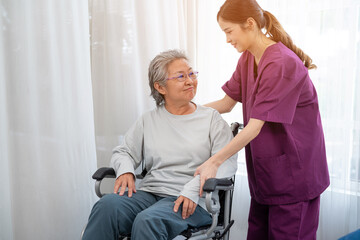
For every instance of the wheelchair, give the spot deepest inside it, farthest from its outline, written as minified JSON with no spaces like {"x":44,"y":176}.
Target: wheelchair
{"x":220,"y":210}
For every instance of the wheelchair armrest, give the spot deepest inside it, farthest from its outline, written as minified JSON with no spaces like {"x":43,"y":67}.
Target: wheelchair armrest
{"x":103,"y":173}
{"x":213,"y":184}
{"x":213,"y":204}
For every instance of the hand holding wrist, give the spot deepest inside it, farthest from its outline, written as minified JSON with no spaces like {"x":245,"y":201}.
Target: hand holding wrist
{"x":207,"y":170}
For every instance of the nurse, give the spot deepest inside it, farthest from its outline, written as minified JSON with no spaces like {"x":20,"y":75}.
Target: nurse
{"x":283,"y":135}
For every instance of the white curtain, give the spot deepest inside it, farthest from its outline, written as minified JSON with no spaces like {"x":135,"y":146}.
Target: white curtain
{"x":51,"y":79}
{"x":46,"y":124}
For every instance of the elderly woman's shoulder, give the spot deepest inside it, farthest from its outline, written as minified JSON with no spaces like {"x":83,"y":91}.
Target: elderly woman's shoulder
{"x":211,"y":111}
{"x":152,"y":112}
{"x":158,"y":111}
{"x":215,"y":115}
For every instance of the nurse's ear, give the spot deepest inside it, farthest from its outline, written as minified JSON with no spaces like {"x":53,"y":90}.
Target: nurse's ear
{"x":250,"y":24}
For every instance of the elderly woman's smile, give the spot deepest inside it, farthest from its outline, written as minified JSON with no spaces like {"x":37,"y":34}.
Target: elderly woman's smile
{"x":180,"y":87}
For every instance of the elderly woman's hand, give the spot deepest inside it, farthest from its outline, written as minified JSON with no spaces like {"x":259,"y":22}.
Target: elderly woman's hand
{"x":188,"y":206}
{"x":206,"y":170}
{"x":123,"y":181}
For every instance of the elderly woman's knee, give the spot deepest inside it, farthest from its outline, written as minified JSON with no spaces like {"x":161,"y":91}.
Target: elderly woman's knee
{"x":107,"y":203}
{"x":146,"y":219}
{"x":150,"y":225}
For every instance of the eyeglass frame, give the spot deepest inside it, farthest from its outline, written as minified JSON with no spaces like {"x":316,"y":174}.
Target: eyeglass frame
{"x":185,"y":75}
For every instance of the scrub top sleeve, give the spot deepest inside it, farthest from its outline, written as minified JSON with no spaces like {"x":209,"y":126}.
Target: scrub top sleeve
{"x":233,"y":87}
{"x":278,"y":93}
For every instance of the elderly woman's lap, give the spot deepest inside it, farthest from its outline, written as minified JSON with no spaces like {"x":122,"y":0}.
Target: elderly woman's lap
{"x":161,"y":222}
{"x":144,"y":215}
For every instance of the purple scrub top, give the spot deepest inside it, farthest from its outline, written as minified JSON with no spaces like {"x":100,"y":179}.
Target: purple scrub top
{"x":286,"y":162}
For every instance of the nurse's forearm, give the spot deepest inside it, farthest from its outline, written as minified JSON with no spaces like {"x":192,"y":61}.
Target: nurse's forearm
{"x":251,"y":130}
{"x":224,"y":105}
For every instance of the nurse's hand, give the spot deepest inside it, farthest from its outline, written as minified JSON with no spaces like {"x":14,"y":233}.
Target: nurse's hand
{"x":124,"y":181}
{"x":206,"y":170}
{"x":188,"y":206}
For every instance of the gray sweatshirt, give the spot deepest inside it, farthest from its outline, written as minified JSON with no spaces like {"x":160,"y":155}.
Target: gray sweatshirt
{"x":173,"y":146}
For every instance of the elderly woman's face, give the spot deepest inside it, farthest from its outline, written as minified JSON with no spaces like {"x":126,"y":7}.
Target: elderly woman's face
{"x":178,"y":91}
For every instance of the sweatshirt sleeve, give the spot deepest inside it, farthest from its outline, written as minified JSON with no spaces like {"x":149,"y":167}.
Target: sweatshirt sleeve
{"x":220,"y":135}
{"x":128,"y":156}
{"x":191,"y":189}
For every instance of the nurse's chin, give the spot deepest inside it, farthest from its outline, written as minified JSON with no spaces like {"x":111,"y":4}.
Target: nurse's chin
{"x":240,"y":50}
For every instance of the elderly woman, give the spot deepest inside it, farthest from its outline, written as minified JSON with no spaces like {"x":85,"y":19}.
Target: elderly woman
{"x":173,"y":140}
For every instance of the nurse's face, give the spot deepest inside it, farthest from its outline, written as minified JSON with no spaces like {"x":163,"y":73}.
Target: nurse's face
{"x":239,"y":36}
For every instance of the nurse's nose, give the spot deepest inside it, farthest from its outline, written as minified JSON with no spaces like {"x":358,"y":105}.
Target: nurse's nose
{"x":228,"y":40}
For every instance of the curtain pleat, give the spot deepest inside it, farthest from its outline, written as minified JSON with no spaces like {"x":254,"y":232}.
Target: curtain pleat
{"x":47,"y":120}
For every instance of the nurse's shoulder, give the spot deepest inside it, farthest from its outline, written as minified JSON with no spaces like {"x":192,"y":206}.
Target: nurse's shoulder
{"x":280,"y":60}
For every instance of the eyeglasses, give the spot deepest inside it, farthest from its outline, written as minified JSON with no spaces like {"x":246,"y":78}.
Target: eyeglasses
{"x":182,"y":77}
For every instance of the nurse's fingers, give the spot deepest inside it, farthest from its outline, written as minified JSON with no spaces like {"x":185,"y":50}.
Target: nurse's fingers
{"x":197,"y":172}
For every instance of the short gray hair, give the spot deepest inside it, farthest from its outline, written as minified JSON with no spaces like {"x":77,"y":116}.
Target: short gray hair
{"x":158,"y":71}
